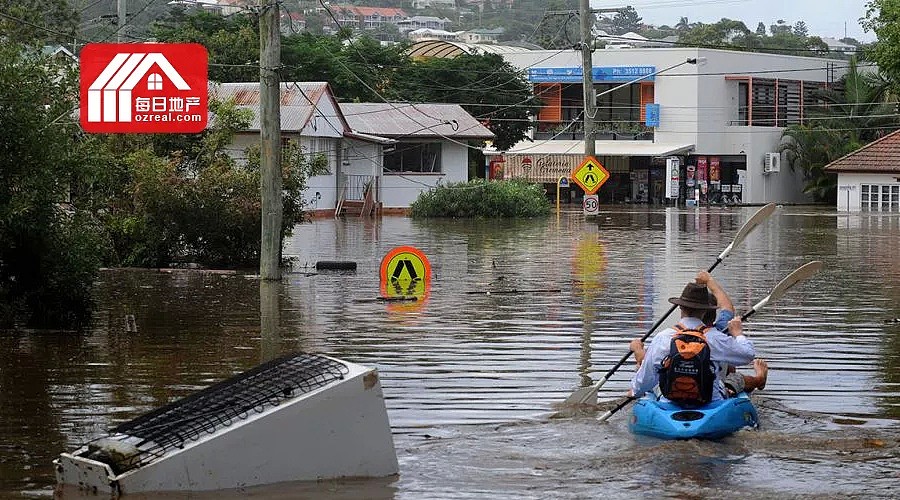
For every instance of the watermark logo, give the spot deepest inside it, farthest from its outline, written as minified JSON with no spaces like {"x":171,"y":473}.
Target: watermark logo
{"x":143,"y":88}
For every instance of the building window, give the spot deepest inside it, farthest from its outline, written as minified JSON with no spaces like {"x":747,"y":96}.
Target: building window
{"x":414,"y":157}
{"x":880,"y":198}
{"x":154,"y":82}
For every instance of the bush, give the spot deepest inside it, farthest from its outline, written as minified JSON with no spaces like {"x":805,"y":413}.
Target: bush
{"x":196,"y":203}
{"x":479,"y":198}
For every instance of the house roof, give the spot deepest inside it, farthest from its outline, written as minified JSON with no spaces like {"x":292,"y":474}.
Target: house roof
{"x":298,"y":102}
{"x":881,"y":156}
{"x":397,"y":120}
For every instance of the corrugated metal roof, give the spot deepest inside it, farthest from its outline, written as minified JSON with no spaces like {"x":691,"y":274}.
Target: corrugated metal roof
{"x":881,"y":156}
{"x":449,"y":50}
{"x":298,"y":101}
{"x":413,"y":120}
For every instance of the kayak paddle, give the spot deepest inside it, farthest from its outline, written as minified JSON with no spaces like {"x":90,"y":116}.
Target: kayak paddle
{"x":803,"y":272}
{"x":584,"y":395}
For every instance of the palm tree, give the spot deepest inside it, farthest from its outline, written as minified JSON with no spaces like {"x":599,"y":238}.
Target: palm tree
{"x":853,"y":115}
{"x":683,"y":24}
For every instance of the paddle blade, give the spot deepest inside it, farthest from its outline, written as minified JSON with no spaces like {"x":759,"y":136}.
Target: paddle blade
{"x":803,"y":272}
{"x":752,"y":223}
{"x":583,"y":396}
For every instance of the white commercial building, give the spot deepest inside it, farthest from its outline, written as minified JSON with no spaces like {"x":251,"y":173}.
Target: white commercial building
{"x":723,"y":114}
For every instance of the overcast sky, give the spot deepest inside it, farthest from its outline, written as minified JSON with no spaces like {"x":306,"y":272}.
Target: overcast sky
{"x":823,"y":17}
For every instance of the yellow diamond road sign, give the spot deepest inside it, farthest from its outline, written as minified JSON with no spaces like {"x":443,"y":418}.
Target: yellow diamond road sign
{"x":590,"y":175}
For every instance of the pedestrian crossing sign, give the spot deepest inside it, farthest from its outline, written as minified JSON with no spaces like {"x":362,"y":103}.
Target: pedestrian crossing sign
{"x":405,"y":272}
{"x":590,"y":175}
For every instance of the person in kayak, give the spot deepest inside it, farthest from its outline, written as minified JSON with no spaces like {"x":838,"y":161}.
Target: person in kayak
{"x":724,"y":349}
{"x":734,"y":382}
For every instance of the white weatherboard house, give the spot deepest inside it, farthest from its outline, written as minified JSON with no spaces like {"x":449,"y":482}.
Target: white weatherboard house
{"x":869,"y":178}
{"x":429,"y":146}
{"x":380,"y":156}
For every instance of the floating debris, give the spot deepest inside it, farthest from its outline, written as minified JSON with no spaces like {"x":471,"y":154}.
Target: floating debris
{"x":299,"y":417}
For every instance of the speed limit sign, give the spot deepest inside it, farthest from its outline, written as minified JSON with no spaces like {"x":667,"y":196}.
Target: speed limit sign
{"x":591,"y":205}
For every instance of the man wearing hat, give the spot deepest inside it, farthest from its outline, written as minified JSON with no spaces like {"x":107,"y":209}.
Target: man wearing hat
{"x":732,"y":348}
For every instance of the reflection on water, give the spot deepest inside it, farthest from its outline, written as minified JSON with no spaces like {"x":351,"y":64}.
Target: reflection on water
{"x":519,"y":313}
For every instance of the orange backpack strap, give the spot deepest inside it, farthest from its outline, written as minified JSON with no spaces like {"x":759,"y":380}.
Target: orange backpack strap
{"x":682,"y":330}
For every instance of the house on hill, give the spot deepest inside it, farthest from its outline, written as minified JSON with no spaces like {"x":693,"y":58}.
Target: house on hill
{"x":869,"y":178}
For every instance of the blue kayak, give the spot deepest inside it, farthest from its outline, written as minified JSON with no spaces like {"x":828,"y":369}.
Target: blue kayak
{"x":665,"y":420}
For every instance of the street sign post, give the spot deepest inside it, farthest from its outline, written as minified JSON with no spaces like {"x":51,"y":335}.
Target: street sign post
{"x":590,"y":175}
{"x":591,"y":205}
{"x":562,"y":183}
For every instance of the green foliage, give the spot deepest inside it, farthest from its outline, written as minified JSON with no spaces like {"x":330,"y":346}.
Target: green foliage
{"x":47,"y":246}
{"x":57,"y":15}
{"x":883,"y":17}
{"x":474,"y":79}
{"x":626,"y":20}
{"x":853,"y":117}
{"x":197,"y":203}
{"x":483,"y":199}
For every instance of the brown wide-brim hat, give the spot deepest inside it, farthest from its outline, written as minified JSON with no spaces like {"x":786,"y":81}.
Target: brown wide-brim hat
{"x":693,"y":296}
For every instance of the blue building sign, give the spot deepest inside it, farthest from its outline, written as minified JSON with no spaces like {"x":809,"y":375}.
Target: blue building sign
{"x":651,"y":115}
{"x":600,"y":74}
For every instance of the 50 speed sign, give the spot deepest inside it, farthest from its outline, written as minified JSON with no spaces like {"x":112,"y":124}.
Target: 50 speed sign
{"x":591,"y":204}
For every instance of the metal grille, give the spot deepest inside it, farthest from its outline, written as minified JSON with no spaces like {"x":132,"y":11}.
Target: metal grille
{"x":229,"y":401}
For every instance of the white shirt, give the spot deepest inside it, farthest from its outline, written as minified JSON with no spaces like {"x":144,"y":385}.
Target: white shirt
{"x":723,"y":348}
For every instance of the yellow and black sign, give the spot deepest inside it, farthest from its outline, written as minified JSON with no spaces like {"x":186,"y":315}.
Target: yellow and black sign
{"x":405,"y":272}
{"x":590,"y":175}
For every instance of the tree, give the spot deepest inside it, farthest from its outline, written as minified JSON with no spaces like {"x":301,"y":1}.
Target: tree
{"x":48,"y":244}
{"x":800,"y":29}
{"x":683,"y":24}
{"x":883,"y":17}
{"x":847,"y":120}
{"x":626,"y":20}
{"x":780,"y":27}
{"x":761,"y":29}
{"x":486,"y":86}
{"x":57,"y":16}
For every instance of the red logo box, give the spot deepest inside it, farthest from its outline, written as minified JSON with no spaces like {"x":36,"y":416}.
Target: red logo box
{"x":145,"y":88}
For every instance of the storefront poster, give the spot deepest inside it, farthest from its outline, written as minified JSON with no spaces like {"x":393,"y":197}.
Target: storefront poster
{"x":691,"y":175}
{"x":701,"y":169}
{"x":714,"y":170}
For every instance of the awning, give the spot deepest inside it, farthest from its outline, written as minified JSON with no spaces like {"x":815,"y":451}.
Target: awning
{"x":603,"y":148}
{"x":547,"y":161}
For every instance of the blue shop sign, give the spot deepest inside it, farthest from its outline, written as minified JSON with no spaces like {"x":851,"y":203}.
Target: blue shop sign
{"x":651,"y":115}
{"x":600,"y":74}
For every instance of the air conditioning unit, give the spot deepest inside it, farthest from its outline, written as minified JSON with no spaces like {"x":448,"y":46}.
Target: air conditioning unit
{"x":772,"y":163}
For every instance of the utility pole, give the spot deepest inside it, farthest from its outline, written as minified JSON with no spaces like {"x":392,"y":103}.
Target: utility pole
{"x":120,"y":30}
{"x":587,"y":69}
{"x":270,"y":138}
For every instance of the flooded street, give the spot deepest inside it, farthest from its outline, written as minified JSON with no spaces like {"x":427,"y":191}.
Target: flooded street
{"x":473,"y":380}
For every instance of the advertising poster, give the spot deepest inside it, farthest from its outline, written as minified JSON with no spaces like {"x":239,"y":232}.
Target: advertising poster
{"x":714,"y":178}
{"x":701,"y":169}
{"x":691,"y":176}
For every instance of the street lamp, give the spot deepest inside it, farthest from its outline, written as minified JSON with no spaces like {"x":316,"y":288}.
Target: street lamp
{"x":690,"y":60}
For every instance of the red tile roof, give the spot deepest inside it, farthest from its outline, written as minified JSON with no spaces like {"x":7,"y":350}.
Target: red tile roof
{"x":880,"y":156}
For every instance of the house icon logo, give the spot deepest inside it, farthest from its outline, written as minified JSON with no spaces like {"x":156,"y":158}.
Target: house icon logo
{"x":143,"y":88}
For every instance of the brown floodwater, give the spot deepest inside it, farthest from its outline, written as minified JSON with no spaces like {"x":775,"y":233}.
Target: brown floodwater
{"x":473,"y":381}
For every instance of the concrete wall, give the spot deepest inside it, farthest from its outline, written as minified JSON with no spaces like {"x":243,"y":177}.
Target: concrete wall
{"x":849,"y":188}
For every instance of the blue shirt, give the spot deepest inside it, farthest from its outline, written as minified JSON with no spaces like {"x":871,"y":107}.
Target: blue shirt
{"x":724,"y":350}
